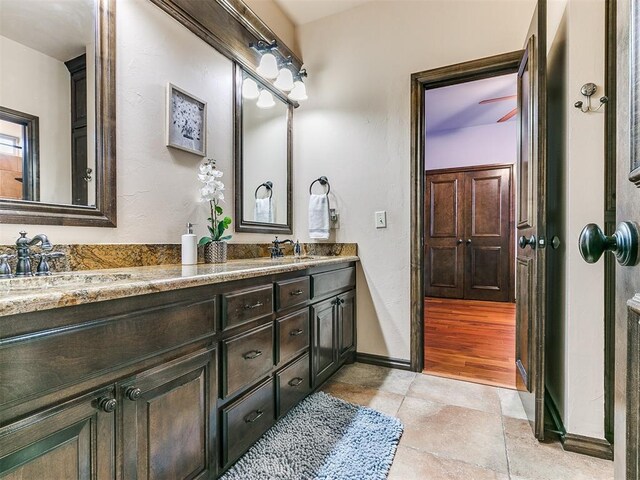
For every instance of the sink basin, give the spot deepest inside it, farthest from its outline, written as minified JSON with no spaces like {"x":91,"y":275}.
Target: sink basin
{"x":60,"y":280}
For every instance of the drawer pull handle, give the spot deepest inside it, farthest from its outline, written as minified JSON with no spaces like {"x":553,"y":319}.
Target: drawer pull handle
{"x":295,"y":382}
{"x":295,"y":293}
{"x":133,"y":393}
{"x":107,"y":404}
{"x":253,"y":416}
{"x":252,"y":354}
{"x":296,"y":333}
{"x":255,"y":305}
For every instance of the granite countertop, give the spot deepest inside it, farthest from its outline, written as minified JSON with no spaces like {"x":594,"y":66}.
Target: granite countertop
{"x":63,"y":289}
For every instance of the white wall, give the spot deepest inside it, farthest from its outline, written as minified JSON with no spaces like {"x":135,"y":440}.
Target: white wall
{"x":34,"y":83}
{"x":355,"y":129}
{"x":271,"y":13}
{"x":157,"y":186}
{"x":580,"y":386}
{"x":467,"y":147}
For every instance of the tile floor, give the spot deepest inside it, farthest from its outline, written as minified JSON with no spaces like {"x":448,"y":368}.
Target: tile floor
{"x":459,"y":430}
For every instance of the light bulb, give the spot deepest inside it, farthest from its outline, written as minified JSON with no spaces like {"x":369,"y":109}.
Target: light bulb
{"x":250,"y":89}
{"x":299,"y":91}
{"x":268,"y":67}
{"x":265,"y":100}
{"x":285,"y":80}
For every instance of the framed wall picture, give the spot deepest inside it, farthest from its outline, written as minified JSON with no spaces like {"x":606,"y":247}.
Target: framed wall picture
{"x":186,"y":121}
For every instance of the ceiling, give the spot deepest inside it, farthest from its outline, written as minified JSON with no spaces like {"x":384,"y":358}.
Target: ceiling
{"x":58,"y":29}
{"x":458,"y":106}
{"x":305,"y":11}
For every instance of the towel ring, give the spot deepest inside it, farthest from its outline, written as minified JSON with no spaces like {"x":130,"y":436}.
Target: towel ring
{"x":323,"y":181}
{"x":268,"y":185}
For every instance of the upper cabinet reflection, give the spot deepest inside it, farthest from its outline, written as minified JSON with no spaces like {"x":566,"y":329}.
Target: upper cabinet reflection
{"x":47,"y":101}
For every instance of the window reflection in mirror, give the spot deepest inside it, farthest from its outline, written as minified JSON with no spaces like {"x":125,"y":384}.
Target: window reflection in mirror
{"x":47,"y":101}
{"x":264,"y":158}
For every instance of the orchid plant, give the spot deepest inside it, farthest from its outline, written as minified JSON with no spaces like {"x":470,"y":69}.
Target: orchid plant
{"x":212,"y":191}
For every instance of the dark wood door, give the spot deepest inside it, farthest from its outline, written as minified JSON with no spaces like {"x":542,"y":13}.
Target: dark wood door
{"x":444,"y":250}
{"x":346,"y":322}
{"x":74,"y":441}
{"x":627,"y":297}
{"x":488,"y":235}
{"x":325,"y":338}
{"x":531,"y":222}
{"x":167,"y":425}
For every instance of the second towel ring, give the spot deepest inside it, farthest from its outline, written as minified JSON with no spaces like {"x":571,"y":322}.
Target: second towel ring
{"x":323,"y":181}
{"x":268,"y":185}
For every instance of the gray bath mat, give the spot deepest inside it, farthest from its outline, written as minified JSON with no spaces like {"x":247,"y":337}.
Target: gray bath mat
{"x":320,"y":439}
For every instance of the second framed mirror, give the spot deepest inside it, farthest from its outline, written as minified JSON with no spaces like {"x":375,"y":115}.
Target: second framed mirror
{"x":263,"y":157}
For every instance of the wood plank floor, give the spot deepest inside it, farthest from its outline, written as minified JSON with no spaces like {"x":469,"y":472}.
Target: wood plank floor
{"x":471,"y":340}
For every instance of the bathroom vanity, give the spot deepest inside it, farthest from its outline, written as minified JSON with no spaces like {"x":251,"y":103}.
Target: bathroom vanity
{"x":160,"y":372}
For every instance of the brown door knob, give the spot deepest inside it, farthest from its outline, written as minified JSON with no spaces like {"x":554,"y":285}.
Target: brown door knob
{"x":133,"y":393}
{"x":107,"y":404}
{"x":623,"y":243}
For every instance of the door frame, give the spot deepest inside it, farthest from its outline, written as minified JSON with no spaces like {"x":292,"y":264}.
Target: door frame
{"x":512,"y":213}
{"x":487,"y":67}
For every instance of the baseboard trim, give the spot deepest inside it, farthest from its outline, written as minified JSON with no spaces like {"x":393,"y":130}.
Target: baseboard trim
{"x":383,"y":361}
{"x":571,"y":442}
{"x":594,"y":447}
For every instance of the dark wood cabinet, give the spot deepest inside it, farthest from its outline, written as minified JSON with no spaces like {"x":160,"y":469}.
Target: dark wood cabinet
{"x":325,"y":340}
{"x":75,"y":440}
{"x":79,"y":147}
{"x":346,"y":313}
{"x":469,"y":234}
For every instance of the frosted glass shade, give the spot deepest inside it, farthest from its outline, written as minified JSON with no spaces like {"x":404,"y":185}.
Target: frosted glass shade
{"x":268,"y":67}
{"x":250,"y":89}
{"x":299,"y":92}
{"x":285,"y":80}
{"x":265,"y":100}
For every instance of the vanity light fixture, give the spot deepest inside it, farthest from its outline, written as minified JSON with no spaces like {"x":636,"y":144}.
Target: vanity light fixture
{"x":250,"y":89}
{"x":299,"y":91}
{"x":265,"y":100}
{"x":268,"y":67}
{"x":285,"y":80}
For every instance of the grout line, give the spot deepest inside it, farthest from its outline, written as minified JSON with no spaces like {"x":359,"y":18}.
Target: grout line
{"x":504,"y":437}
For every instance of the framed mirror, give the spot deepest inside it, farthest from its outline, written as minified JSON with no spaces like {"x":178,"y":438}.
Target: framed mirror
{"x":57,"y":112}
{"x":264,"y":202}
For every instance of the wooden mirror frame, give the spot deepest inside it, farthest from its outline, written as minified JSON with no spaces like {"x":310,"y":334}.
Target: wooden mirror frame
{"x":104,"y":212}
{"x":247,"y":225}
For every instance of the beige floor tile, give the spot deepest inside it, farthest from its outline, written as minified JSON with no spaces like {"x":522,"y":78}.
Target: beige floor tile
{"x":455,"y":392}
{"x":410,"y":464}
{"x":371,"y":376}
{"x":385,"y":402}
{"x":532,"y":460}
{"x":511,"y":404}
{"x":457,"y":433}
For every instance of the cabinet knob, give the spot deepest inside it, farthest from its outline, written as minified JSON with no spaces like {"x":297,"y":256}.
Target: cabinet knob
{"x":459,"y":242}
{"x":296,"y":333}
{"x":252,"y":354}
{"x":133,"y":393}
{"x":107,"y":404}
{"x":253,"y":416}
{"x":296,"y":293}
{"x":468,"y":241}
{"x":255,"y":305}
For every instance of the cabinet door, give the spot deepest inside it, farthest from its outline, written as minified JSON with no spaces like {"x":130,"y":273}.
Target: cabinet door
{"x":72,"y":441}
{"x":346,"y":323}
{"x":325,"y":348}
{"x":444,"y":225}
{"x":168,"y":420}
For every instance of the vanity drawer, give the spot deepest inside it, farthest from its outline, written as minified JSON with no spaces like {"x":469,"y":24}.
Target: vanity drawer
{"x":329,"y":282}
{"x":293,"y":335}
{"x":246,"y":420}
{"x":294,"y":383}
{"x":242,"y":306}
{"x":293,"y":292}
{"x":246,"y":358}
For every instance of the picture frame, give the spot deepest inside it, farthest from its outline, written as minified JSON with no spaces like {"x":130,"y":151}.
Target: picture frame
{"x":186,"y":120}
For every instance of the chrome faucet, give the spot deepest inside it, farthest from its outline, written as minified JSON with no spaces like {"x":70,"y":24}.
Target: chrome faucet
{"x":276,"y":250}
{"x":23,"y":248}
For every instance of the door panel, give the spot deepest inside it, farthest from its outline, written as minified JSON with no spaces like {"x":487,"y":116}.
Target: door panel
{"x":487,"y":201}
{"x":325,"y":339}
{"x":444,"y":261}
{"x":531,"y":222}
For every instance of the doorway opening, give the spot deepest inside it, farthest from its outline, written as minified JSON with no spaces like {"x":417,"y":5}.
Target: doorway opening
{"x":471,"y":141}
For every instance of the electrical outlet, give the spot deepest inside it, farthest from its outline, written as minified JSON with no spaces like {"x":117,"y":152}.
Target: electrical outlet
{"x":381,"y":219}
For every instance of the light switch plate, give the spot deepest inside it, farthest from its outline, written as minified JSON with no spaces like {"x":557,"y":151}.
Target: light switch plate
{"x":381,"y":219}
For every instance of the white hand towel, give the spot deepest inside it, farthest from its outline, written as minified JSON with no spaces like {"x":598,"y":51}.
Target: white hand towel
{"x":319,"y":216}
{"x":263,"y":211}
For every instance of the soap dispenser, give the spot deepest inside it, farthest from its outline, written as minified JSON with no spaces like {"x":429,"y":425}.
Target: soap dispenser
{"x":297,"y":249}
{"x":189,"y":247}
